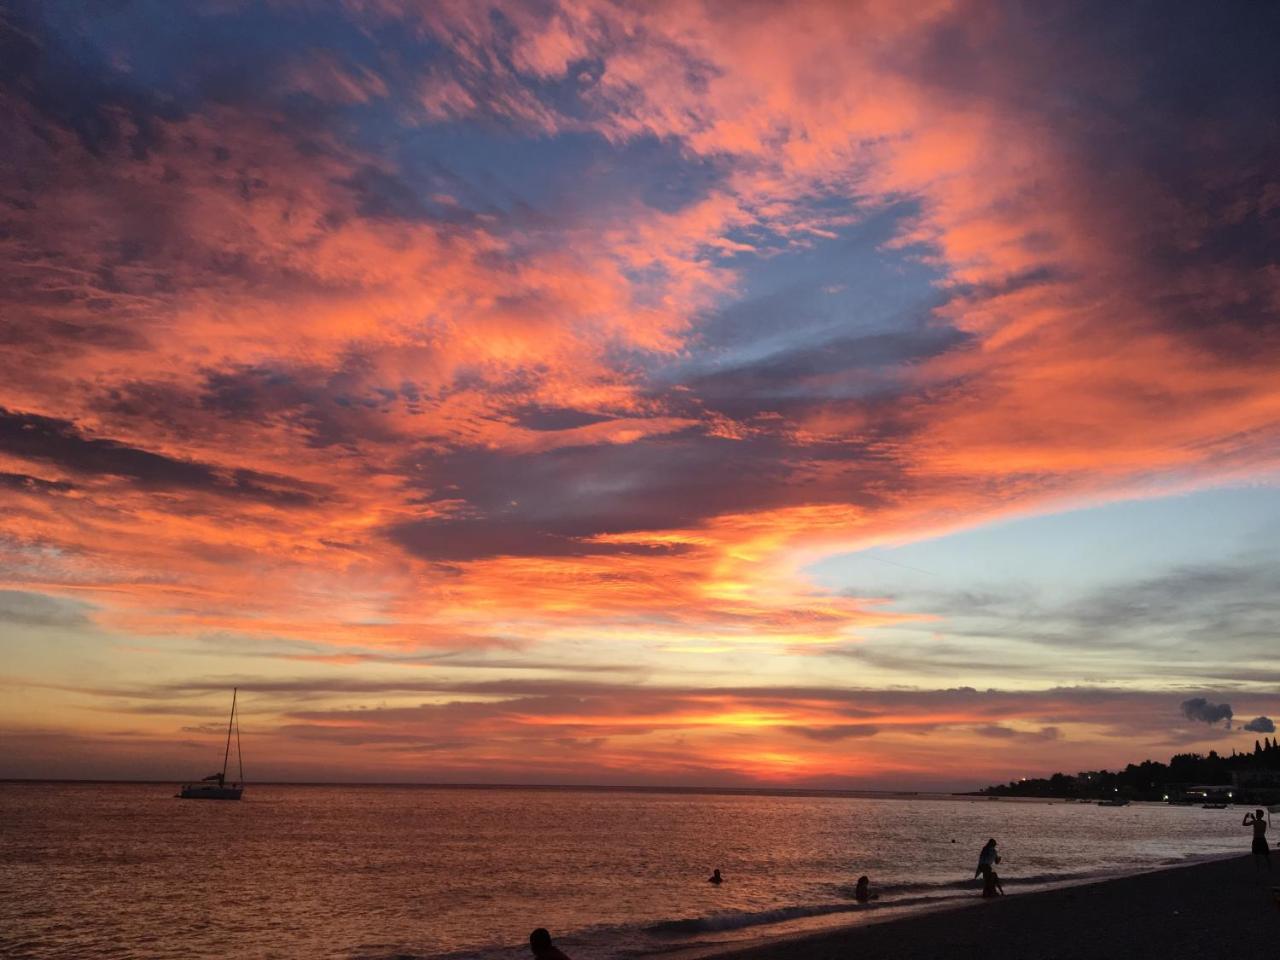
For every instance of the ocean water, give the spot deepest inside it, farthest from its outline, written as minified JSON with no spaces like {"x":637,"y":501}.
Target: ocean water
{"x":379,"y":872}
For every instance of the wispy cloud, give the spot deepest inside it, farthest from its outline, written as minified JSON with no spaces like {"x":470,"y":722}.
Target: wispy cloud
{"x":753,"y":734}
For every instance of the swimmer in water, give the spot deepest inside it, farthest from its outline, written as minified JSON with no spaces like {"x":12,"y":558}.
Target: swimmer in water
{"x":715,"y":876}
{"x":862,"y":892}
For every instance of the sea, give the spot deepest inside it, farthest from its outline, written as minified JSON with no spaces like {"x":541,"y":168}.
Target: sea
{"x":383,"y":872}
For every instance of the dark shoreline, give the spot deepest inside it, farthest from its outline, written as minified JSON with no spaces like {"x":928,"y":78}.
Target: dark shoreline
{"x":1221,"y":909}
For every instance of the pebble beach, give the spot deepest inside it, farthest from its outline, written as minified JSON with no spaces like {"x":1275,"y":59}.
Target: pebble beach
{"x":1224,"y":908}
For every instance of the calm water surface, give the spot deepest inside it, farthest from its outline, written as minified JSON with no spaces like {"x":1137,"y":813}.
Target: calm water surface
{"x":380,"y":872}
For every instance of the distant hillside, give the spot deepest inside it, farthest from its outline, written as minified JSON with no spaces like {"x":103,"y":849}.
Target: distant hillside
{"x":1256,"y":775}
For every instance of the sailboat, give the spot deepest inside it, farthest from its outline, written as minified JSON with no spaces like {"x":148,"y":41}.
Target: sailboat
{"x":215,"y":786}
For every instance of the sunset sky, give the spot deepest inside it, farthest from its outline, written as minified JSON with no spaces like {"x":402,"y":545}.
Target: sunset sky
{"x":878,"y":394}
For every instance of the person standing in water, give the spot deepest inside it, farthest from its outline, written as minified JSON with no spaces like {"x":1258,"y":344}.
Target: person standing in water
{"x":987,"y":861}
{"x":715,"y":877}
{"x":1258,"y":821}
{"x":862,"y":892}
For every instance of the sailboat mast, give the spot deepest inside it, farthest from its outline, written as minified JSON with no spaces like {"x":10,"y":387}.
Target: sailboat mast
{"x":239,"y":752}
{"x":226,"y":754}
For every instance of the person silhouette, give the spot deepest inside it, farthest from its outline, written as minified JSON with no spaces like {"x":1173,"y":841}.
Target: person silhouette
{"x":987,"y":861}
{"x":715,"y":877}
{"x":991,"y":885}
{"x":862,"y":892}
{"x":542,"y":947}
{"x":1261,"y":852}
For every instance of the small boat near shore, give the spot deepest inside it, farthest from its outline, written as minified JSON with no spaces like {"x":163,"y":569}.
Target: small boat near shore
{"x":215,"y":786}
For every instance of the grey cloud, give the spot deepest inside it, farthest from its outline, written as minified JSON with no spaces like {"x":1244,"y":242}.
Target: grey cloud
{"x":23,"y":483}
{"x":218,"y":644}
{"x":840,"y":368}
{"x":1200,"y":602}
{"x":1260,"y":725}
{"x":204,"y":728}
{"x":1202,"y":711}
{"x":41,"y":610}
{"x":477,"y":538}
{"x":358,"y":736}
{"x":59,"y":442}
{"x":942,"y":659}
{"x":553,"y":418}
{"x":329,"y":407}
{"x":842,"y":731}
{"x":1212,"y":623}
{"x":551,"y":503}
{"x":462,"y":661}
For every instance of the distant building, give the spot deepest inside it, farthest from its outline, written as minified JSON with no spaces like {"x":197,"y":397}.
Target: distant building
{"x":1257,"y":786}
{"x":1215,"y":793}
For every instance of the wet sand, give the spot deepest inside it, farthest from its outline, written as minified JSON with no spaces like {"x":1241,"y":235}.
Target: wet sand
{"x":1221,"y":909}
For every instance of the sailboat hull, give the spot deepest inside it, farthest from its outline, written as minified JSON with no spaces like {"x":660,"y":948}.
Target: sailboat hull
{"x":202,"y":791}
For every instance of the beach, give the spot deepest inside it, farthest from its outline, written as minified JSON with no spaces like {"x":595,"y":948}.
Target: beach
{"x":1224,"y":908}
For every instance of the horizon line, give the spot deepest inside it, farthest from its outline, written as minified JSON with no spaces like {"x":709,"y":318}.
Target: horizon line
{"x":592,"y":787}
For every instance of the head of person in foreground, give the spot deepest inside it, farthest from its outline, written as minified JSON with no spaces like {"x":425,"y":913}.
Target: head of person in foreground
{"x":542,"y":947}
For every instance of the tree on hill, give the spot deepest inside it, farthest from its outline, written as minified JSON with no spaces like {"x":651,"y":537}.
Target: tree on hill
{"x":1150,"y":780}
